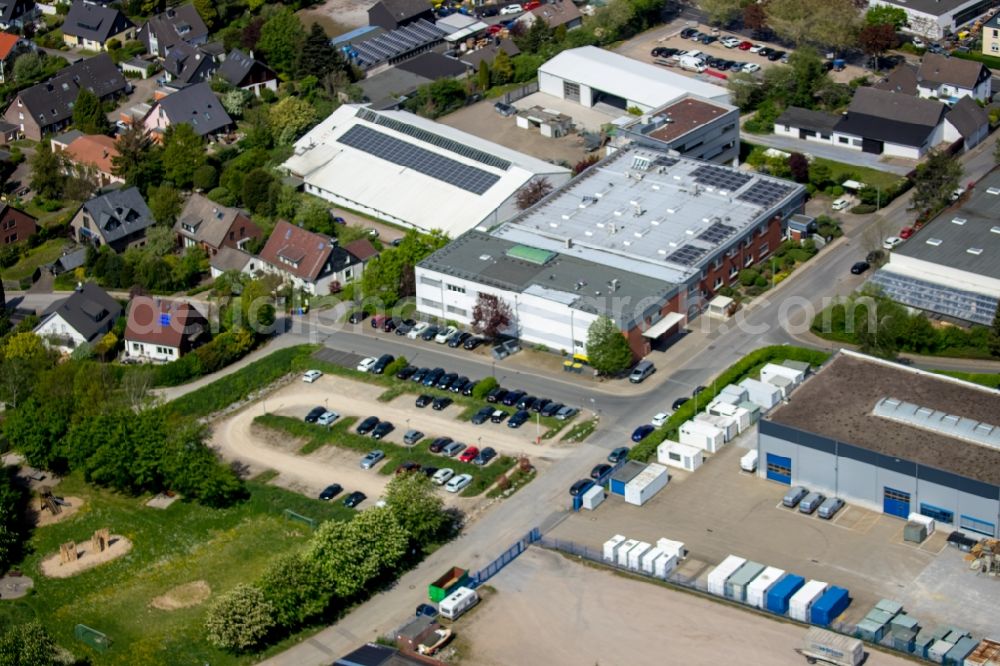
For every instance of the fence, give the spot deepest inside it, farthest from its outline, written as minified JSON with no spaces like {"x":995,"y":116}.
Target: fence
{"x":696,"y":585}
{"x":505,"y":558}
{"x":306,"y":520}
{"x":512,"y":96}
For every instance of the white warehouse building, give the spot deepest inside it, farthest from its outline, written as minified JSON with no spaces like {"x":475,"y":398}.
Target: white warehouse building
{"x":411,"y":171}
{"x":931,"y":19}
{"x":590,"y":76}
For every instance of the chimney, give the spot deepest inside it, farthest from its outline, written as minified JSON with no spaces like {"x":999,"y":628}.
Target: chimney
{"x":569,"y":243}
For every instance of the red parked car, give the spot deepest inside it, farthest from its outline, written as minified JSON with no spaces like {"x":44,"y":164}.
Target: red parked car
{"x":745,"y":46}
{"x":532,"y":4}
{"x":905,"y":232}
{"x":469,"y":454}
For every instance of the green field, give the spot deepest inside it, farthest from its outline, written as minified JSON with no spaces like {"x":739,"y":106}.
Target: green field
{"x":181,"y":544}
{"x":45,"y":253}
{"x":870,"y":177}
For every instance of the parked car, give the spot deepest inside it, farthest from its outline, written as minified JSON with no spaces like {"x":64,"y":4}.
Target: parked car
{"x":429,"y":333}
{"x":459,"y":338}
{"x":412,"y":437}
{"x":382,"y":429}
{"x":469,"y":454}
{"x":744,"y":46}
{"x":452,"y":449}
{"x":314,"y":414}
{"x":472,"y":343}
{"x":600,"y":470}
{"x":372,"y":459}
{"x":540,"y":404}
{"x":659,"y":419}
{"x":905,"y":232}
{"x":424,"y":399}
{"x":641,"y":370}
{"x":512,"y":398}
{"x":442,"y":476}
{"x":327,"y":418}
{"x":446,"y":380}
{"x":811,"y":502}
{"x":642,"y":432}
{"x":697,"y":391}
{"x":419,"y":375}
{"x":498,"y":416}
{"x":505,"y":110}
{"x":367,"y":364}
{"x":687,"y":32}
{"x":311,"y":375}
{"x":441,"y":403}
{"x":618,"y":454}
{"x":367,"y":425}
{"x":482,"y":415}
{"x":429,"y":471}
{"x":840,"y":204}
{"x":526,"y":402}
{"x":403,"y":328}
{"x":433,"y":376}
{"x":443,"y":335}
{"x":418,"y":330}
{"x":485,"y":456}
{"x":331,"y":491}
{"x":829,"y":508}
{"x":580,"y":487}
{"x":511,"y":9}
{"x":497,"y":395}
{"x":390,"y":324}
{"x":756,"y":48}
{"x":382,"y":363}
{"x":566,"y":413}
{"x":469,"y":388}
{"x":751,"y":67}
{"x":519,"y":418}
{"x":459,"y":385}
{"x":794,"y":496}
{"x":763,"y":51}
{"x":551,"y":409}
{"x":439,"y":443}
{"x":860,"y":267}
{"x":775,"y":56}
{"x":406,"y":372}
{"x":891,"y":242}
{"x":357,"y":316}
{"x":678,"y":403}
{"x":426,"y":610}
{"x":354,"y":499}
{"x":729,"y":42}
{"x":458,"y":483}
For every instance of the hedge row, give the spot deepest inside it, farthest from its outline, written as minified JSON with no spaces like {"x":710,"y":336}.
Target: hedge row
{"x":735,"y":373}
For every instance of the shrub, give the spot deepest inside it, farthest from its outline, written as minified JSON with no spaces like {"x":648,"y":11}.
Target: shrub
{"x":748,"y":276}
{"x":484,"y":387}
{"x":863,"y":209}
{"x":396,"y":366}
{"x":240,"y":619}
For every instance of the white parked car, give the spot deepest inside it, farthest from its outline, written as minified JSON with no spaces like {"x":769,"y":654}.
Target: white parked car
{"x":458,"y":482}
{"x":891,"y":242}
{"x":442,"y":475}
{"x":311,"y":376}
{"x":443,"y":336}
{"x":367,"y":364}
{"x":660,"y":419}
{"x":511,"y":9}
{"x":756,"y":48}
{"x":919,"y":43}
{"x":841,"y":204}
{"x":729,"y":42}
{"x":751,"y":67}
{"x":417,"y":330}
{"x":327,"y":418}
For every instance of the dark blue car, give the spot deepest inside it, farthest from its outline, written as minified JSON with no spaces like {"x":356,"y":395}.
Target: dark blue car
{"x":642,"y":432}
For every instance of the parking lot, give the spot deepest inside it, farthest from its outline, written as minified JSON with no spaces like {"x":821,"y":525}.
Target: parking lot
{"x":719,"y":510}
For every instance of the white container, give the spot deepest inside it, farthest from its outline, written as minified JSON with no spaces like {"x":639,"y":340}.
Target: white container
{"x":784,"y":384}
{"x":761,"y":393}
{"x":458,"y":602}
{"x":728,"y":424}
{"x":647,"y":564}
{"x":761,"y":585}
{"x":703,"y":435}
{"x":938,"y":650}
{"x":720,"y":574}
{"x":738,"y":392}
{"x":739,"y":414}
{"x":592,"y":498}
{"x":802,"y":601}
{"x":611,"y":547}
{"x":646,"y":484}
{"x":748,"y":463}
{"x":723,"y":399}
{"x":675,"y":548}
{"x":664,"y":566}
{"x":771,"y":370}
{"x":635,"y":555}
{"x":621,"y":555}
{"x":923,"y":520}
{"x":679,"y":455}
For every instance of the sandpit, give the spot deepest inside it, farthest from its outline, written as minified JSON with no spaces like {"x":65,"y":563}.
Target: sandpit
{"x":183,"y":596}
{"x":45,"y":517}
{"x":15,"y":586}
{"x":54,"y":567}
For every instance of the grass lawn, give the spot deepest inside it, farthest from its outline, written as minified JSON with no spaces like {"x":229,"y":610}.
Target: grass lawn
{"x":45,"y":253}
{"x":181,"y":544}
{"x":986,"y":379}
{"x":868,"y":176}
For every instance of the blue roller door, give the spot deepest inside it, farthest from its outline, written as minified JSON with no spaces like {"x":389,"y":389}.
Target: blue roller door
{"x":779,"y":469}
{"x":895,"y":502}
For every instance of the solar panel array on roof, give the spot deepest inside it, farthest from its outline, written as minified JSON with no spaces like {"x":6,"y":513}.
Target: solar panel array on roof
{"x":717,"y":233}
{"x":433,"y":139}
{"x":399,"y":152}
{"x":765,"y":193}
{"x":396,"y":43}
{"x":687,"y":255}
{"x":721,"y":178}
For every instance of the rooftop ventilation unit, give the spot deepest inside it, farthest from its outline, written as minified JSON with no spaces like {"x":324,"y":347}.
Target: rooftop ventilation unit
{"x":958,"y":220}
{"x":975,"y":250}
{"x":934,"y":241}
{"x":993,"y":190}
{"x":995,"y":230}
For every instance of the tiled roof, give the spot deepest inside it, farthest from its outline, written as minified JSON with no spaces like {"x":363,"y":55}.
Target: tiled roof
{"x":297,"y":251}
{"x":96,"y":149}
{"x":51,"y":101}
{"x":163,"y":322}
{"x":198,"y":106}
{"x":94,"y":22}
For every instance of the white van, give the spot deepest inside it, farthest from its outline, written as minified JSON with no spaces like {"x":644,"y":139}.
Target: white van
{"x":455,"y":604}
{"x":692,"y":64}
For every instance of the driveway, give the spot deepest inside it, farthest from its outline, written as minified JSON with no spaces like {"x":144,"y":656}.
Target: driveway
{"x":829,"y":152}
{"x":142,"y":91}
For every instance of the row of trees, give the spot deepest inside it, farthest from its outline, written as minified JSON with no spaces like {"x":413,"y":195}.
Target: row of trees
{"x":390,"y":276}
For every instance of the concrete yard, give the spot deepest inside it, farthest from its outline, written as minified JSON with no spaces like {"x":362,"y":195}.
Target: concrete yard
{"x":719,"y":510}
{"x":549,"y":610}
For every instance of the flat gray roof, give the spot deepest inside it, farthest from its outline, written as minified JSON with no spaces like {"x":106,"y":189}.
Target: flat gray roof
{"x":642,"y":206}
{"x":932,"y":7}
{"x":838,"y":402}
{"x":577,"y":283}
{"x":972,"y":245}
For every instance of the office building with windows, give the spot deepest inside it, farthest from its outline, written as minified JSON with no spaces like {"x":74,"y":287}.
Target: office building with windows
{"x":890,"y":438}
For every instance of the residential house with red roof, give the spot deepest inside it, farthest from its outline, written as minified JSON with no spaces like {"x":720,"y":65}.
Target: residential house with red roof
{"x":311,"y":262}
{"x":10,"y":47}
{"x":160,"y":330}
{"x":96,"y":151}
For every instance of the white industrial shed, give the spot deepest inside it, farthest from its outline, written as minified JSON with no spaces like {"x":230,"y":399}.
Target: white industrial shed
{"x":399,"y":167}
{"x":590,"y":75}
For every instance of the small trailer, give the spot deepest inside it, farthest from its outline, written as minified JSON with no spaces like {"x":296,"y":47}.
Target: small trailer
{"x":825,"y":647}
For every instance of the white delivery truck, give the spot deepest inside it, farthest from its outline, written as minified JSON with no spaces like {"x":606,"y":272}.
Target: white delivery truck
{"x":456,"y":603}
{"x":692,"y":63}
{"x":748,"y":463}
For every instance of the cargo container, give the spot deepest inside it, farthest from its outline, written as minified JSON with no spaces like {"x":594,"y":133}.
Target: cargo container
{"x":675,"y":548}
{"x":879,"y":616}
{"x":739,"y":414}
{"x":904,"y":621}
{"x":761,"y":585}
{"x":727,"y":424}
{"x":925,"y":520}
{"x":829,"y":606}
{"x":779,"y":595}
{"x":889,"y":606}
{"x":738,"y":392}
{"x":783,"y":384}
{"x":753,"y":409}
{"x":635,"y":555}
{"x":620,"y":478}
{"x":987,"y":653}
{"x":938,"y":650}
{"x":664,"y":565}
{"x":802,"y":366}
{"x":956,"y":656}
{"x":679,"y":455}
{"x":748,"y":463}
{"x":456,"y":603}
{"x":448,"y":583}
{"x":592,"y":498}
{"x":611,"y":546}
{"x":720,"y":574}
{"x":955,"y":635}
{"x":771,"y":370}
{"x":761,"y":393}
{"x":802,"y":601}
{"x":621,"y":555}
{"x":702,"y":435}
{"x":722,"y":399}
{"x":903,"y":639}
{"x":644,"y":486}
{"x":736,"y":586}
{"x":646,"y":564}
{"x":915,"y":532}
{"x":870,"y":630}
{"x":830,"y":648}
{"x":922,"y":643}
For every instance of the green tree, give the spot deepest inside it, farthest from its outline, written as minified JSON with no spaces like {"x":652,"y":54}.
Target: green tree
{"x":205,"y":177}
{"x":256,"y":189}
{"x":29,"y":67}
{"x":290,"y":118}
{"x":165,"y":203}
{"x":318,"y":57}
{"x":281,"y":39}
{"x":437,"y":98}
{"x":721,"y":12}
{"x":12,"y":528}
{"x":256,"y":306}
{"x":314,"y":215}
{"x":484,"y":75}
{"x":418,"y":509}
{"x":38,"y":434}
{"x":137,"y":161}
{"x":88,"y":114}
{"x":877,"y":325}
{"x":46,"y":177}
{"x":27,"y":644}
{"x":886,"y":15}
{"x":607,"y":348}
{"x":353,"y":555}
{"x":535,"y":37}
{"x":22,"y":358}
{"x":502,"y":68}
{"x":483,"y":387}
{"x":296,"y":589}
{"x":206,"y":10}
{"x":935,"y":180}
{"x":235,"y":101}
{"x":183,"y":154}
{"x":240,"y":619}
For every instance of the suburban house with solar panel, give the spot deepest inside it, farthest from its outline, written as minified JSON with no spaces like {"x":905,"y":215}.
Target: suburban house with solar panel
{"x":161,"y":330}
{"x":643,"y":237}
{"x":82,"y":318}
{"x":892,"y":439}
{"x":308,"y":261}
{"x":950,"y":267}
{"x":412,"y":171}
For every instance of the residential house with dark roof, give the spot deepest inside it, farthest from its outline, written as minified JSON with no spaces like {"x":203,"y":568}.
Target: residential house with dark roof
{"x":91,"y":26}
{"x":48,"y":106}
{"x":93,"y":151}
{"x":11,"y":46}
{"x":488,"y":53}
{"x":902,"y":79}
{"x":82,"y":318}
{"x":309,"y":261}
{"x":971,"y":121}
{"x":172,"y":27}
{"x":118,"y":219}
{"x":15,"y":225}
{"x":187,"y":64}
{"x":390,"y":88}
{"x":554,"y":14}
{"x":161,"y":330}
{"x":244,"y":71}
{"x":196,"y":105}
{"x":949,"y":79}
{"x":206,"y":224}
{"x":231,"y":260}
{"x":392,"y":14}
{"x":16,"y":13}
{"x":373,"y":654}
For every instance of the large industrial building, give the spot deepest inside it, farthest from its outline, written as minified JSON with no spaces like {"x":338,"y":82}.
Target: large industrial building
{"x":643,"y":237}
{"x":890,"y":438}
{"x":691,"y":126}
{"x":402,"y":168}
{"x":933,"y":19}
{"x":951,"y":266}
